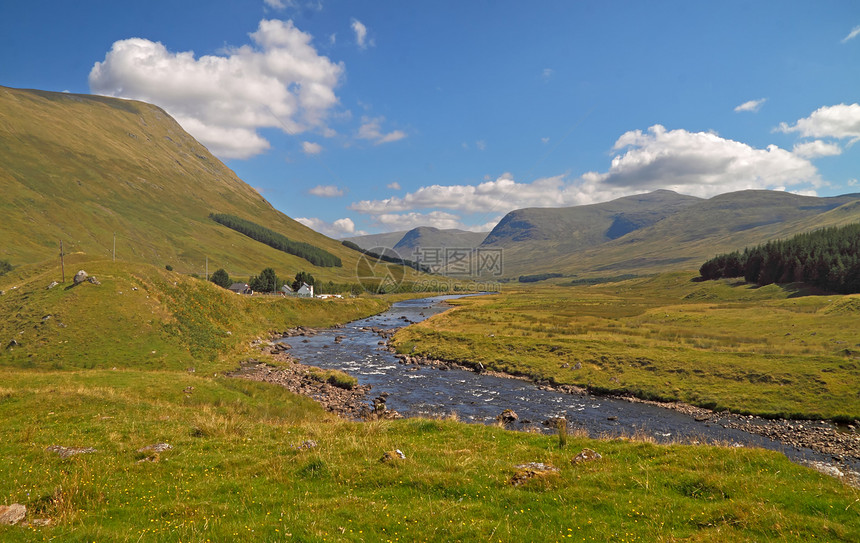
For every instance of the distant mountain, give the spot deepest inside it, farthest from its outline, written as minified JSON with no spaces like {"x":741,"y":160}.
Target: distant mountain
{"x":581,"y":227}
{"x":657,"y":231}
{"x":370,"y":241}
{"x":407,"y":242}
{"x":429,"y":237}
{"x":81,"y":168}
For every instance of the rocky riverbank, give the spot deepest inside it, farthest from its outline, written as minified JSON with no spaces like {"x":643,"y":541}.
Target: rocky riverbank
{"x":819,"y":436}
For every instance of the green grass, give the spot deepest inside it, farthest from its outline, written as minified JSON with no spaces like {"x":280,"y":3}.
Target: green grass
{"x":237,"y":471}
{"x":240,"y":467}
{"x":724,"y":345}
{"x":145,"y":317}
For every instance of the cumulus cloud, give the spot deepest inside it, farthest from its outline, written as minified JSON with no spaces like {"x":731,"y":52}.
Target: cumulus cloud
{"x":279,"y":81}
{"x":393,"y":186}
{"x":326,"y":191}
{"x":371,"y":129}
{"x":816,"y":148}
{"x":311,"y":148}
{"x":277,"y":4}
{"x":338,"y":228}
{"x":752,"y":105}
{"x":695,"y":163}
{"x":360,"y":33}
{"x":851,"y":35}
{"x":839,"y":121}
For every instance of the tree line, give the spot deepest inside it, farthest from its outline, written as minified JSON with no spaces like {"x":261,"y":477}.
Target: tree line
{"x":311,"y":253}
{"x":827,"y":258}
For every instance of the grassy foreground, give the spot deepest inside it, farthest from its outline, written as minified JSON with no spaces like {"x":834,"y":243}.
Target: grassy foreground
{"x":251,"y":462}
{"x":238,"y":471}
{"x":723,"y":344}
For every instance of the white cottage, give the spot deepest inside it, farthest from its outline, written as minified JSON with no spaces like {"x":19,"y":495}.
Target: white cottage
{"x":305,"y":291}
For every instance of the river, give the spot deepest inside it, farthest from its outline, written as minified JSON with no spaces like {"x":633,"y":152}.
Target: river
{"x":426,"y":391}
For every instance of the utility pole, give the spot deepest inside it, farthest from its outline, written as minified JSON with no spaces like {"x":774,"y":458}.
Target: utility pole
{"x":114,"y":246}
{"x":207,"y":268}
{"x":62,"y":261}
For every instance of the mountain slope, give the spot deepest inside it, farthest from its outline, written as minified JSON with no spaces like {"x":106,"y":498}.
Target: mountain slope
{"x":386,"y":240}
{"x":687,"y":237}
{"x":80,"y":168}
{"x":430,"y":237}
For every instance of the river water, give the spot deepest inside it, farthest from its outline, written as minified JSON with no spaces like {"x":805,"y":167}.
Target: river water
{"x":427,"y":391}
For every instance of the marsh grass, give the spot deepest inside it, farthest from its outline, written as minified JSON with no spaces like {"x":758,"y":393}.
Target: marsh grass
{"x":720,"y":344}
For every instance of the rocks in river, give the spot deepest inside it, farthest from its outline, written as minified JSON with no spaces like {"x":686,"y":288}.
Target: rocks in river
{"x":12,"y":514}
{"x":338,"y":339}
{"x":586,"y":455}
{"x":508,"y":416}
{"x":612,"y":417}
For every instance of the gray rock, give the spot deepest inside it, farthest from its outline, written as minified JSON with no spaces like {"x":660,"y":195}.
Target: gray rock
{"x":52,"y":285}
{"x":12,"y":514}
{"x":66,"y":452}
{"x":587,"y":455}
{"x":507,"y":416}
{"x":80,"y":277}
{"x":93,"y":280}
{"x":157,"y":447}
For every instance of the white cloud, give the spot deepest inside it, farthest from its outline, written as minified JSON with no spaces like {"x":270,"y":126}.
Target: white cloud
{"x":816,"y":148}
{"x":326,"y":191}
{"x":360,"y":33}
{"x":311,"y":148}
{"x":752,"y":105}
{"x":544,"y":140}
{"x":851,"y":35}
{"x":338,"y":228}
{"x":393,"y":186}
{"x":501,"y":194}
{"x":701,"y":164}
{"x":839,"y":121}
{"x":481,"y":145}
{"x":547,"y":74}
{"x":370,"y":129}
{"x":408,"y":221}
{"x":277,"y":4}
{"x":695,"y":163}
{"x":280,"y":81}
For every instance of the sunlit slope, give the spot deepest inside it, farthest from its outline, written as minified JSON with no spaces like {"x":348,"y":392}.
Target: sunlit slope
{"x":80,"y":168}
{"x":144,"y":317}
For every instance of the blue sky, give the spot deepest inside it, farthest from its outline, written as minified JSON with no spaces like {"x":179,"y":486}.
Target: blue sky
{"x":359,"y":117}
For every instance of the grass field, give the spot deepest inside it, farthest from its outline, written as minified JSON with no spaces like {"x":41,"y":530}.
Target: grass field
{"x":771,"y":351}
{"x":237,"y":471}
{"x":251,"y":462}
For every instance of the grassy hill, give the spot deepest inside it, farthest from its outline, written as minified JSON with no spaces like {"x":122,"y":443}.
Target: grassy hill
{"x":80,"y":168}
{"x":659,"y":233}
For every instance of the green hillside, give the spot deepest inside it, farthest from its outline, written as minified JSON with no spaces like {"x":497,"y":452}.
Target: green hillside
{"x":577,"y":240}
{"x":80,"y":168}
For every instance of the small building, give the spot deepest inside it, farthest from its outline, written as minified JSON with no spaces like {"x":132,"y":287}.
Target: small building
{"x":240,"y":288}
{"x":305,"y":291}
{"x":286,"y":290}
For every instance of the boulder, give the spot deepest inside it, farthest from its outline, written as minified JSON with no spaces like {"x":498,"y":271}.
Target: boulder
{"x":66,"y":452}
{"x":532,"y":470}
{"x":91,"y":279}
{"x":508,"y":416}
{"x":393,"y":456}
{"x":52,"y":285}
{"x":80,"y":277}
{"x":157,"y":447}
{"x":587,"y":455}
{"x":12,"y":514}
